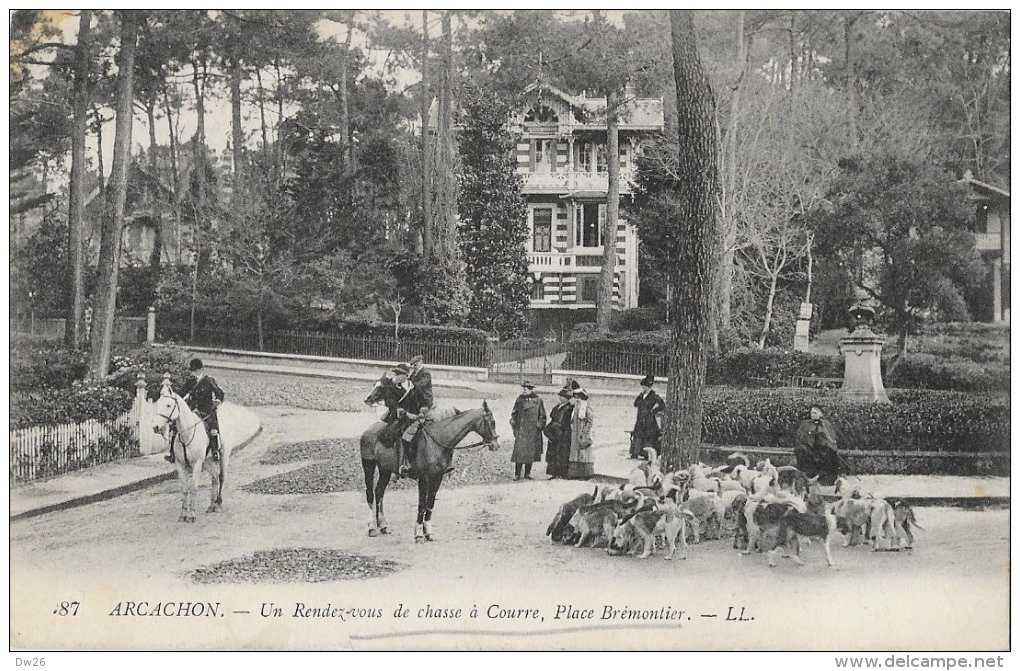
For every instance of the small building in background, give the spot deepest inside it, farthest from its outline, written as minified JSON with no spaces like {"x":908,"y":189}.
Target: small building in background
{"x":562,"y":159}
{"x":991,"y":235}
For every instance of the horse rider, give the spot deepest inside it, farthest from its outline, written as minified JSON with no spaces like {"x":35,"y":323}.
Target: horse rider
{"x":421,"y":378}
{"x":203,"y":395}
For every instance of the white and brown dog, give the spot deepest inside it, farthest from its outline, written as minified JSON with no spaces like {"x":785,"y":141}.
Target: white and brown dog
{"x":666,"y":522}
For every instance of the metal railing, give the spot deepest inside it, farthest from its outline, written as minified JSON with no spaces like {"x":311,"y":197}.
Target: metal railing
{"x":368,"y":347}
{"x":610,"y":358}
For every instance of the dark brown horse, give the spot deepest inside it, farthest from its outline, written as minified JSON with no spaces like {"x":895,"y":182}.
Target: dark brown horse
{"x":437,"y":440}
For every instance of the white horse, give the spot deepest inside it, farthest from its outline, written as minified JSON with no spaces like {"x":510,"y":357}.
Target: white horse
{"x":190,"y":452}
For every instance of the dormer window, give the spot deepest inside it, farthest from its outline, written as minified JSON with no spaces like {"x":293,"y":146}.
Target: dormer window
{"x":541,"y":114}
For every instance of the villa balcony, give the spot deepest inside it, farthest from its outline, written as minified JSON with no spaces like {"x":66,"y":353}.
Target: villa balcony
{"x":564,"y":182}
{"x":577,"y":259}
{"x":987,"y":242}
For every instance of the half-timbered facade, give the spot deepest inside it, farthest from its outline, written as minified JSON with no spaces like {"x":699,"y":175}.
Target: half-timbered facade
{"x":562,"y":159}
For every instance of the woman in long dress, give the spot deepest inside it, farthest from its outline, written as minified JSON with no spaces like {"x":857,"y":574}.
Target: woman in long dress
{"x":557,"y":455}
{"x":582,"y":457}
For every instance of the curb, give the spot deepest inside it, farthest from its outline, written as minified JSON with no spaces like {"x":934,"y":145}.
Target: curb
{"x":116,"y":491}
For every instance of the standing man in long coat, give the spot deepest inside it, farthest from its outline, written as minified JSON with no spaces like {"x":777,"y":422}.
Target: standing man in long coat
{"x":582,"y":456}
{"x":557,"y":453}
{"x":527,"y":421}
{"x":646,"y":428}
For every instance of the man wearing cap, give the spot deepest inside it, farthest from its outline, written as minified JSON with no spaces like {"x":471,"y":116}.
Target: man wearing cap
{"x":527,"y":421}
{"x":422,"y":379}
{"x":203,"y":395}
{"x":646,"y":429}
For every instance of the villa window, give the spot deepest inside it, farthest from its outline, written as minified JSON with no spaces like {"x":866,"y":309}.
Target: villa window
{"x":543,"y":156}
{"x":588,"y":224}
{"x":541,"y":219}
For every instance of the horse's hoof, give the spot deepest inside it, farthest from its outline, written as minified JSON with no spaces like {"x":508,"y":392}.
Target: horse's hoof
{"x":419,"y":539}
{"x":214,"y":509}
{"x":191,"y":519}
{"x":372,"y":533}
{"x":384,"y":530}
{"x":430,"y":537}
{"x":182,"y":518}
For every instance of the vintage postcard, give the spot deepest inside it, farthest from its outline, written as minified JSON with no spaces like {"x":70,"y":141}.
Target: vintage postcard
{"x":314,"y":347}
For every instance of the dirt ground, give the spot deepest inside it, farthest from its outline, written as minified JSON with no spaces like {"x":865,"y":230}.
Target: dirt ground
{"x":492,"y":580}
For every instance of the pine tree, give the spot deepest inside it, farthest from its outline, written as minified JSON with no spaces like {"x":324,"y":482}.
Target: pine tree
{"x":695,"y":246}
{"x":493,"y":217}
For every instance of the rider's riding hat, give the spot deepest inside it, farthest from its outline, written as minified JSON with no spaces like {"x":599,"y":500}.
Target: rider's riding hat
{"x":195,"y":364}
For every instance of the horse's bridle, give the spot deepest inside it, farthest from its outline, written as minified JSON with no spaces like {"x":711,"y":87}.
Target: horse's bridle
{"x":490,"y":424}
{"x":170,"y":418}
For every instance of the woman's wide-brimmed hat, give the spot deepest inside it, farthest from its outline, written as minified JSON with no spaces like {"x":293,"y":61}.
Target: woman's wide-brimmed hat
{"x":401,"y":369}
{"x":647,"y":380}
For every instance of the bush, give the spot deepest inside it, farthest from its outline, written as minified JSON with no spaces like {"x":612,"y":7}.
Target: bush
{"x":152,"y":362}
{"x":770,"y":367}
{"x":916,"y":420}
{"x":80,"y":402}
{"x":927,"y":371}
{"x":36,"y":365}
{"x":636,"y":319}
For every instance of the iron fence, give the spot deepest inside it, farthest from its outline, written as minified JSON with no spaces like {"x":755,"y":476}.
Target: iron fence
{"x":367,"y":347}
{"x":621,"y":359}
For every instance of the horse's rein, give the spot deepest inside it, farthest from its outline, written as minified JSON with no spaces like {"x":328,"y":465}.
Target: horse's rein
{"x":428,"y":433}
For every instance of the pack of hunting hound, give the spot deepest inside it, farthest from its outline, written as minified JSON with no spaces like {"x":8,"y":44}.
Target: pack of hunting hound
{"x":768,"y":509}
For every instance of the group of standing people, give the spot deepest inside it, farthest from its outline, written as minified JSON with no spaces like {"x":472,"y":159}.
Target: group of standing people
{"x":568,"y":428}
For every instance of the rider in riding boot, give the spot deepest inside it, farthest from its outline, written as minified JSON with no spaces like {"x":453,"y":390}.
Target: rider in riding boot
{"x":203,"y":395}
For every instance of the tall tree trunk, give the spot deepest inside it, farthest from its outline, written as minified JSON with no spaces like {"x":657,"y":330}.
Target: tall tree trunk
{"x":696,"y":247}
{"x":280,"y":150}
{"x":604,"y":307}
{"x":263,"y":126}
{"x":427,"y":223}
{"x":346,"y":150}
{"x":74,"y":332}
{"x":175,"y":175}
{"x":198,"y":147}
{"x":100,"y":164}
{"x":109,"y":249}
{"x":157,"y":206}
{"x":770,"y":303}
{"x":728,"y":184}
{"x":236,"y":134}
{"x":850,"y":78}
{"x":445,"y":234}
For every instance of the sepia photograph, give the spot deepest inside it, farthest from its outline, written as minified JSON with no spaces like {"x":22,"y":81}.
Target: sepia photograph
{"x":451,"y":330}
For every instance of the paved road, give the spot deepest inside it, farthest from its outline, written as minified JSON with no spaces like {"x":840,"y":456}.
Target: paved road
{"x":491,"y":552}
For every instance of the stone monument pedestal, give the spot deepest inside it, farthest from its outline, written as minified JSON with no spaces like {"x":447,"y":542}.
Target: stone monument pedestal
{"x":802,"y":337}
{"x":862,"y":372}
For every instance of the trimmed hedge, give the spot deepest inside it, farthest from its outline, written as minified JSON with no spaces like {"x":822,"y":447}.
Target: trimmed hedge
{"x":78,"y":403}
{"x":774,"y":367}
{"x":915,"y":421}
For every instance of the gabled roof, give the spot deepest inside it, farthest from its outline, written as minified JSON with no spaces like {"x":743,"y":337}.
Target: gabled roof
{"x":640,"y":112}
